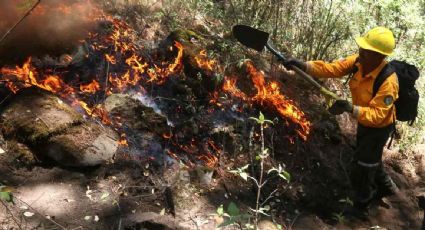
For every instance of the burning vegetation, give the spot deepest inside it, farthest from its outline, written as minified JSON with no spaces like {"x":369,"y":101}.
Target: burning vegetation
{"x":178,"y":80}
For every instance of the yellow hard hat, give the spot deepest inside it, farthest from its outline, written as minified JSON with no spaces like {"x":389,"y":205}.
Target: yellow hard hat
{"x":378,"y":39}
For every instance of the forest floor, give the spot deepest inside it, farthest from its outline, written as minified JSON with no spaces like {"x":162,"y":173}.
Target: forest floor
{"x":104,"y":198}
{"x":127,"y":194}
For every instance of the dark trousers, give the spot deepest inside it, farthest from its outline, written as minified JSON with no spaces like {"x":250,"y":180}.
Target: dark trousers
{"x":368,"y":176}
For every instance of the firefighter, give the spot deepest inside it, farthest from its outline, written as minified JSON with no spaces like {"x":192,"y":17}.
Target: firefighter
{"x":375,"y":113}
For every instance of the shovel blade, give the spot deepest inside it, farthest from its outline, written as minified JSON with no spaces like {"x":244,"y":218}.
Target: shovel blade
{"x":250,"y":37}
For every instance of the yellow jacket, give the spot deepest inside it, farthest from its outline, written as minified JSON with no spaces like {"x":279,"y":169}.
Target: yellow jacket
{"x":378,"y":111}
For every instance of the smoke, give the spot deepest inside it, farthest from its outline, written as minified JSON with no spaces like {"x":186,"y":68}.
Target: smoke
{"x":54,"y":27}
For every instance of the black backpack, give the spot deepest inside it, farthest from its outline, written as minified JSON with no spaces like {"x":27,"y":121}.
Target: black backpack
{"x":408,"y":96}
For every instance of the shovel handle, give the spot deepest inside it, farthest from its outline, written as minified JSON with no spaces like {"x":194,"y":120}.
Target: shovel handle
{"x":309,"y":78}
{"x":306,"y":76}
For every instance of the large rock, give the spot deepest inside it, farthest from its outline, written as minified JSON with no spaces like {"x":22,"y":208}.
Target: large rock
{"x":34,"y":114}
{"x":88,"y":144}
{"x":136,"y":115}
{"x":53,"y":129}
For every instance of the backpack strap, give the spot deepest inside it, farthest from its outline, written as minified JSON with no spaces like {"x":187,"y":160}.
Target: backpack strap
{"x":382,"y":76}
{"x":380,"y":79}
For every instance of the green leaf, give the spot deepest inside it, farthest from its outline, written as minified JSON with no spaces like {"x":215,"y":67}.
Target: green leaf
{"x":285,"y":175}
{"x":104,"y":195}
{"x":255,"y":119}
{"x":244,"y":175}
{"x":233,"y":210}
{"x":261,"y":118}
{"x":257,"y":157}
{"x":264,"y":155}
{"x":338,"y":217}
{"x":6,"y":196}
{"x":6,"y":193}
{"x":269,"y":121}
{"x":245,"y":167}
{"x":347,"y":201}
{"x":220,"y":210}
{"x":242,"y":62}
{"x":271,"y":170}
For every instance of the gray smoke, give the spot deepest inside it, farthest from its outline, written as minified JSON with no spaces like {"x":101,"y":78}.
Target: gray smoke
{"x":55,"y":27}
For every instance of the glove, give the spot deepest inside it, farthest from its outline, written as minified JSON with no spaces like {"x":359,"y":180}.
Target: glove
{"x":295,"y":62}
{"x":341,"y":106}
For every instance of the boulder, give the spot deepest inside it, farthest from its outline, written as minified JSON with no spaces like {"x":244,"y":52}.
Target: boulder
{"x":53,"y":129}
{"x":135,"y":114}
{"x":34,"y":114}
{"x":88,"y":144}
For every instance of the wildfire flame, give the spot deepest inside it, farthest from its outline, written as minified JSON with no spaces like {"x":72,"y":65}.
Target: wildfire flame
{"x":211,"y":158}
{"x":128,"y":70}
{"x":26,"y":76}
{"x":269,"y":94}
{"x":110,"y":59}
{"x":90,"y":88}
{"x":204,"y":62}
{"x":122,"y":40}
{"x":123,"y":140}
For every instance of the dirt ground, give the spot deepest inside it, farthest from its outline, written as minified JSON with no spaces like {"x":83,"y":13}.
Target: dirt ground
{"x":124,"y":195}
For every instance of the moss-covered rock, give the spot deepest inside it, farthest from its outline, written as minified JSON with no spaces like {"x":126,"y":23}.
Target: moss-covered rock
{"x":34,"y":114}
{"x":53,"y":129}
{"x":88,"y":144}
{"x":183,"y":35}
{"x":136,"y":114}
{"x":16,"y":154}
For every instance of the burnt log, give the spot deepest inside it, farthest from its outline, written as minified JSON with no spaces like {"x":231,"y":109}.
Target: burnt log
{"x":53,"y":129}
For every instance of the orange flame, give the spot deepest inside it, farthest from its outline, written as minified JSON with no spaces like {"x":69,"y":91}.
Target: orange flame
{"x":230,"y":87}
{"x":123,"y":140}
{"x":110,"y":59}
{"x":26,"y":76}
{"x":117,"y":47}
{"x":90,"y":88}
{"x":135,"y":64}
{"x":178,"y":60}
{"x":270,"y":95}
{"x":209,"y":159}
{"x":203,"y":62}
{"x":159,"y":75}
{"x":167,"y":135}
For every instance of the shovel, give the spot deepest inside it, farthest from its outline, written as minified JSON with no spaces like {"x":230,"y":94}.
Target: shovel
{"x":257,"y":39}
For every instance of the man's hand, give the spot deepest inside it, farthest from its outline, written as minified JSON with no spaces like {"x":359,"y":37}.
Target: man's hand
{"x":341,"y":106}
{"x":295,"y":62}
